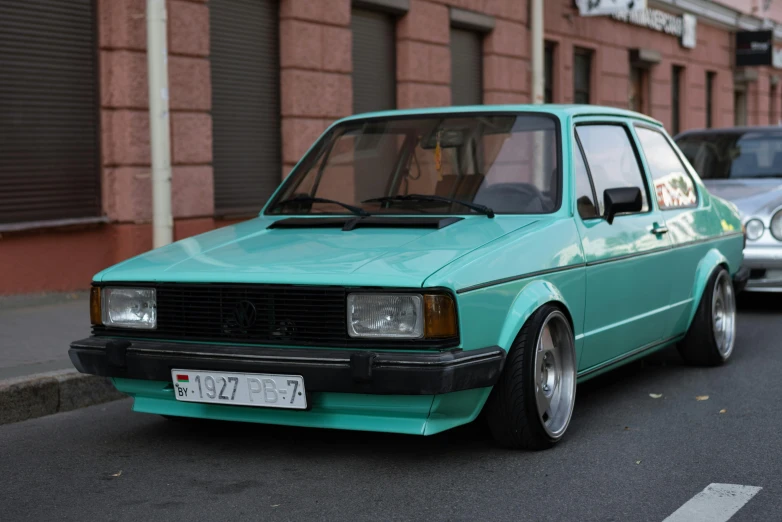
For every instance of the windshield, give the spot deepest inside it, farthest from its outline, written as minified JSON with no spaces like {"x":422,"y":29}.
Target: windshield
{"x":734,"y":155}
{"x":508,"y":163}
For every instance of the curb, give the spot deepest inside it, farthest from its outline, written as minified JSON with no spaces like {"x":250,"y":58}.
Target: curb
{"x":33,"y":396}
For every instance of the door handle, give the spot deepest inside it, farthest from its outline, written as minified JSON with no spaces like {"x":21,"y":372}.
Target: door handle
{"x":659,"y":229}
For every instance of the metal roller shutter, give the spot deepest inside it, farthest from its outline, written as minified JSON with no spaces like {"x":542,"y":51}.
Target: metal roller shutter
{"x":244,"y":36}
{"x":466,"y":68}
{"x":374,"y":61}
{"x":49,"y":152}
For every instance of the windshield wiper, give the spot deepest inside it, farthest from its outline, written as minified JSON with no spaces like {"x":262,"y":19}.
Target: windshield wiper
{"x":483,"y":209}
{"x":309,"y":199}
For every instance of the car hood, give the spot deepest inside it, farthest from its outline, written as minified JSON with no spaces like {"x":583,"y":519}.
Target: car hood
{"x":753,"y":197}
{"x":250,"y":252}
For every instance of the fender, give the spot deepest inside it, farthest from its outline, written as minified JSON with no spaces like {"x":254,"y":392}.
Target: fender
{"x":706,"y":266}
{"x":531,"y":297}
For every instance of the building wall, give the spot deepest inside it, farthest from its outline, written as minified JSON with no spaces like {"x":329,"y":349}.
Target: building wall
{"x":611,"y":41}
{"x":58,"y":259}
{"x":315,"y":62}
{"x":755,"y":8}
{"x":315,"y":77}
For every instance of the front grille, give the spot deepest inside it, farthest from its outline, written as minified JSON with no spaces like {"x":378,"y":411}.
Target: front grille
{"x":256,"y":314}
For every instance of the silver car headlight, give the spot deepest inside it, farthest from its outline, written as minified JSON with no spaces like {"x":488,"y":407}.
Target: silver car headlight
{"x":754,"y":228}
{"x":129,"y":307}
{"x":396,"y":316}
{"x":776,"y":226}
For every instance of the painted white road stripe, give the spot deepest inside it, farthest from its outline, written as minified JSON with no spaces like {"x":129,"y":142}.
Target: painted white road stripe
{"x":716,"y":503}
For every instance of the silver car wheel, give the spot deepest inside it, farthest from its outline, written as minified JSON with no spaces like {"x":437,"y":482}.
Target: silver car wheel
{"x":555,"y":374}
{"x":723,"y":307}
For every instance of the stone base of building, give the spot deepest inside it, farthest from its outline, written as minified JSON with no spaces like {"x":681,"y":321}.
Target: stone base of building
{"x":63,"y":260}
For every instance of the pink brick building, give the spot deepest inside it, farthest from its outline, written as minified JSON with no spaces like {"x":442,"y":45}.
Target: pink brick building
{"x":254,"y":82}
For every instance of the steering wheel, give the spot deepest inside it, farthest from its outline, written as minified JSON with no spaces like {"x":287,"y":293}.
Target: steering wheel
{"x":511,"y":197}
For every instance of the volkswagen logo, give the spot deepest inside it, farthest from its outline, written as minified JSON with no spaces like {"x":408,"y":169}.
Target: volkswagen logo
{"x":245,"y":314}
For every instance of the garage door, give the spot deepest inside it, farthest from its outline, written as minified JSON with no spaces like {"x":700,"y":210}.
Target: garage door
{"x":49,"y":152}
{"x":244,"y":37}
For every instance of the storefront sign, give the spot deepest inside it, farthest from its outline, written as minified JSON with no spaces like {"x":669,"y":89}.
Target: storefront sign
{"x":607,"y":7}
{"x":754,"y":48}
{"x":684,"y":26}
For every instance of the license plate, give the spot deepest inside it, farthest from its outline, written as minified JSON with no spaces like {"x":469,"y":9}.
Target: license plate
{"x":240,"y":389}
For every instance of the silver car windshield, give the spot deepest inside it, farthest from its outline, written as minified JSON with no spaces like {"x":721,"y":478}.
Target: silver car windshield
{"x":734,"y":155}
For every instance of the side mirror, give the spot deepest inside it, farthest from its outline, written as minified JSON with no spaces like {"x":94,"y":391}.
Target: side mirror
{"x":620,"y":200}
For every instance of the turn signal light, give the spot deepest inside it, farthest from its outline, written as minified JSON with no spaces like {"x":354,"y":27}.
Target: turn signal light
{"x":95,"y":311}
{"x":439,"y":316}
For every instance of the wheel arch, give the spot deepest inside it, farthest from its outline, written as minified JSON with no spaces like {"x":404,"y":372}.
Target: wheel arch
{"x":713,"y":259}
{"x":529,"y":299}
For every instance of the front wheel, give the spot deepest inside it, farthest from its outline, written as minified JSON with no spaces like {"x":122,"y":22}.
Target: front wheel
{"x":712,"y":334}
{"x":531,"y":405}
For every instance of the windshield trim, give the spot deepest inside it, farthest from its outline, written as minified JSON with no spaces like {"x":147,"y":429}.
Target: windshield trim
{"x":318,"y":148}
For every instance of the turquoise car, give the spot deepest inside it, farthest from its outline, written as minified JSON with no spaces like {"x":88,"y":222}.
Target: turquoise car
{"x":419,"y":268}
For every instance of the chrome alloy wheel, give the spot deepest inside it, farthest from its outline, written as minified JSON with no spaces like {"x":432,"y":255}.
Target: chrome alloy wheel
{"x":555,"y":374}
{"x":723,"y":311}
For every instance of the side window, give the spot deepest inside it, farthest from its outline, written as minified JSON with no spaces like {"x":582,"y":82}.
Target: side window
{"x":584,"y":195}
{"x":611,"y":159}
{"x":672,"y":183}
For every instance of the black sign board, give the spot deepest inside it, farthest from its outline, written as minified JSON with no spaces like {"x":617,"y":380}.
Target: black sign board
{"x":754,"y":48}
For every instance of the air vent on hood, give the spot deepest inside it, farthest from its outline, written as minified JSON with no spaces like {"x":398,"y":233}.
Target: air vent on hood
{"x":348,"y":224}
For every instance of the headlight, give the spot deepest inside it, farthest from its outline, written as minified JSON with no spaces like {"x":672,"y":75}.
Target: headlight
{"x":129,"y":307}
{"x":776,"y":225}
{"x":401,"y":316}
{"x":754,"y":229}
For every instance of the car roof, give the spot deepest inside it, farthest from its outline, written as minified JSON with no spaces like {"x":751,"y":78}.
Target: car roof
{"x":548,"y":108}
{"x":731,"y":130}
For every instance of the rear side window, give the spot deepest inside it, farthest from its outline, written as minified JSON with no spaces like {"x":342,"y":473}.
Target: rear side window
{"x":672,"y":184}
{"x":611,"y":159}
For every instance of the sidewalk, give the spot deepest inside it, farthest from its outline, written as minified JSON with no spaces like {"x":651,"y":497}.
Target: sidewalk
{"x":35,"y":332}
{"x":36,"y":375}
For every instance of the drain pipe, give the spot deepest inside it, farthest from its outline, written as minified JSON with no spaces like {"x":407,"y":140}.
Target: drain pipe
{"x":536,"y":33}
{"x":538,"y":84}
{"x":159,"y":137}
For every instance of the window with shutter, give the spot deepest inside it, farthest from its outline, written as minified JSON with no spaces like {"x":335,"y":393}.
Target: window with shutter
{"x":548,"y":76}
{"x":582,"y":75}
{"x":49,"y":112}
{"x":244,"y":55}
{"x":676,"y":81}
{"x":466,"y":67}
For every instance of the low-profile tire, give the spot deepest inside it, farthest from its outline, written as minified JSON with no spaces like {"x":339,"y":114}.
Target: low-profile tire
{"x":712,"y":334}
{"x":531,"y":405}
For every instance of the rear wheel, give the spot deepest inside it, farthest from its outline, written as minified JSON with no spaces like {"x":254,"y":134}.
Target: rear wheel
{"x":712,"y":334}
{"x":531,"y":405}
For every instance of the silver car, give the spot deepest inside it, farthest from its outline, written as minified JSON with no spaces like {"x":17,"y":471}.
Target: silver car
{"x":744,"y":165}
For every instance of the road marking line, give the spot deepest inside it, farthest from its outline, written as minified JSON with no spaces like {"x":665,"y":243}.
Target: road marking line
{"x":716,"y":503}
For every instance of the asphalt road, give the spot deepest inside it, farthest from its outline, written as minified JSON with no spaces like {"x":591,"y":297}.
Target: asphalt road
{"x":627,"y":456}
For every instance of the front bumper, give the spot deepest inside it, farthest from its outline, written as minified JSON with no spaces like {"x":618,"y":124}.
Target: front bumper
{"x":342,"y":370}
{"x":765,"y":263}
